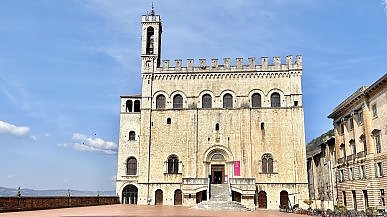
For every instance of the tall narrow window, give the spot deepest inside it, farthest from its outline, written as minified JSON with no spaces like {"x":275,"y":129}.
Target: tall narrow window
{"x":378,"y":144}
{"x":178,"y":101}
{"x":275,"y":100}
{"x":362,"y":172}
{"x":137,"y":106}
{"x":132,"y":135}
{"x":206,"y":101}
{"x":365,"y":198}
{"x":351,"y":123}
{"x":256,"y":100}
{"x":341,"y":128}
{"x":131,"y":166}
{"x":227,"y":101}
{"x":129,"y":105}
{"x":344,"y":199}
{"x":173,"y":164}
{"x":267,"y":163}
{"x":352,"y":147}
{"x":217,"y":126}
{"x":351,"y":173}
{"x":341,"y":176}
{"x":379,"y":169}
{"x":374,"y":111}
{"x":150,"y":40}
{"x":360,"y":117}
{"x":160,"y":101}
{"x":354,"y":199}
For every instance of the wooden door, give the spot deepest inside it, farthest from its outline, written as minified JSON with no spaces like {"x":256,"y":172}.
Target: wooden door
{"x":284,"y":199}
{"x":217,"y":171}
{"x":159,"y":197}
{"x":262,"y":200}
{"x":178,"y":197}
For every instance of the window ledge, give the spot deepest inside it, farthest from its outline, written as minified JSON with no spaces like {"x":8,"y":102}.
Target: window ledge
{"x":179,"y":173}
{"x":274,"y":173}
{"x":130,"y":176}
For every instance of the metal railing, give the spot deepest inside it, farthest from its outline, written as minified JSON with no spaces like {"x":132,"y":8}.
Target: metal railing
{"x":361,"y":154}
{"x":340,"y":160}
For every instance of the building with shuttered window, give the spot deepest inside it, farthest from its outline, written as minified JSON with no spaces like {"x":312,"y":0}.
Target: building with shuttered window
{"x":360,"y":127}
{"x":207,"y":122}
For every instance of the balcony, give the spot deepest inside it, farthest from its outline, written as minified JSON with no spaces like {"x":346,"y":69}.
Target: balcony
{"x":351,"y":157}
{"x":361,"y":154}
{"x":340,"y":160}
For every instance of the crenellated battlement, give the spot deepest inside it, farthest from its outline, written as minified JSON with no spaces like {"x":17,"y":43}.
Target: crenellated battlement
{"x":202,"y":65}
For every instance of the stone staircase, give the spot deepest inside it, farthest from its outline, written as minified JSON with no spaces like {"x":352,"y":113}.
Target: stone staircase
{"x":220,"y":200}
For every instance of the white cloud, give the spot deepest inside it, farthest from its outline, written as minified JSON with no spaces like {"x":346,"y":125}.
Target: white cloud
{"x":46,"y":134}
{"x":34,"y":138}
{"x":10,"y":176}
{"x":7,"y":128}
{"x":89,"y":144}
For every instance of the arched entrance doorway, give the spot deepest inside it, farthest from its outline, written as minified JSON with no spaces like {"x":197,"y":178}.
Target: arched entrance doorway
{"x":284,"y":199}
{"x":178,"y":197}
{"x":129,"y":194}
{"x":262,"y":200}
{"x":218,"y":163}
{"x":159,"y":197}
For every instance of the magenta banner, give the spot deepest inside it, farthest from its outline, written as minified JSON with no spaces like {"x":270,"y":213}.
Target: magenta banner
{"x":237,"y":168}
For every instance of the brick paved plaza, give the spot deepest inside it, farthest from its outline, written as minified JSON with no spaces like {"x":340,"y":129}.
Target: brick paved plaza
{"x":137,"y":210}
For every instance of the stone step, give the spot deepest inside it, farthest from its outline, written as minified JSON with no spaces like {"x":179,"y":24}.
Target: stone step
{"x":219,"y":192}
{"x":220,"y":200}
{"x":220,"y":206}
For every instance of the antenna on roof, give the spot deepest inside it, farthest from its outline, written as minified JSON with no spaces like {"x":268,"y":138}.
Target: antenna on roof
{"x":152,"y":13}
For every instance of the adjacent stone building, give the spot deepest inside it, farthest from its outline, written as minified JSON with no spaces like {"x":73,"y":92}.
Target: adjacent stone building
{"x":360,"y":126}
{"x":320,"y":154}
{"x":211,"y":123}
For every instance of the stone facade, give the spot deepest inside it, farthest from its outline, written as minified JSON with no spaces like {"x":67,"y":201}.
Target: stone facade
{"x":321,"y":174}
{"x":214,"y":122}
{"x":360,"y":126}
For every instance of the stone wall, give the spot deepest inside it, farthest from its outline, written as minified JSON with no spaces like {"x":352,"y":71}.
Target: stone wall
{"x":8,"y":204}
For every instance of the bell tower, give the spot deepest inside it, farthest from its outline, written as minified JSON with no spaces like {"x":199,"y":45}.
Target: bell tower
{"x":151,"y":41}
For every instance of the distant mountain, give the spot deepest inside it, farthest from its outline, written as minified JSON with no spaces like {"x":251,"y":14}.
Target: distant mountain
{"x":9,"y":192}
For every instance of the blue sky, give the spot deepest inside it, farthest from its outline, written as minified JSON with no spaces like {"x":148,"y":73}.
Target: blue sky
{"x":64,"y":64}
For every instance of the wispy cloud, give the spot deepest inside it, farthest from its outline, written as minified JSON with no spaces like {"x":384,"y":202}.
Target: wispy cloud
{"x":7,"y":128}
{"x":385,"y":7}
{"x":90,"y":144}
{"x":17,"y":94}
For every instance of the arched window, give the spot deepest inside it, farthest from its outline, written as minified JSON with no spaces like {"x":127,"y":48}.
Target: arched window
{"x":129,"y":105}
{"x":131,"y":166}
{"x":267,"y":163}
{"x":256,"y":100}
{"x":137,"y":106}
{"x":150,"y":40}
{"x":173,"y":164}
{"x":206,"y":101}
{"x":132,"y":135}
{"x":160,"y":101}
{"x":275,"y":100}
{"x":227,"y":101}
{"x":129,"y":194}
{"x":178,"y":101}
